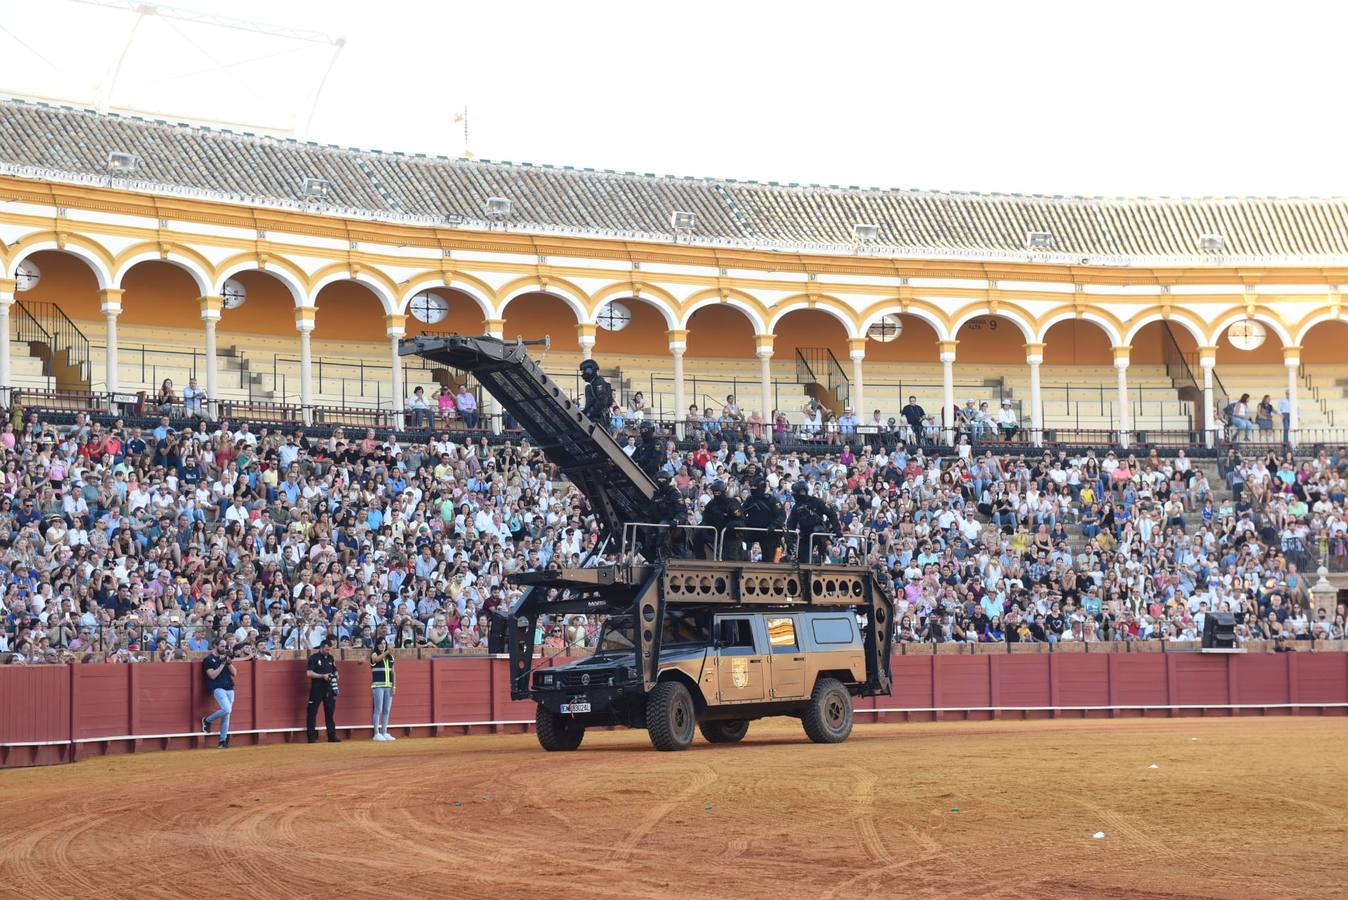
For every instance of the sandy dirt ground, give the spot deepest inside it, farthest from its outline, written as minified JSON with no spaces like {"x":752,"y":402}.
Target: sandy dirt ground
{"x":1234,"y":808}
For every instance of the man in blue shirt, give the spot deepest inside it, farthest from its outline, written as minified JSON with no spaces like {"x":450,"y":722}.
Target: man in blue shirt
{"x":219,"y":666}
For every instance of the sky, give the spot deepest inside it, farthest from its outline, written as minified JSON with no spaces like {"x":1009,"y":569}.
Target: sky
{"x":1140,"y":98}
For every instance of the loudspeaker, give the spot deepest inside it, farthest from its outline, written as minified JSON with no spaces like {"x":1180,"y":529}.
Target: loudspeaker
{"x":1219,"y":631}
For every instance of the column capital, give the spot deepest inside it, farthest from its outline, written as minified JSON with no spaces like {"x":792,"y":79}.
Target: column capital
{"x":856,"y":347}
{"x":110,"y":301}
{"x":210,"y":307}
{"x":947,"y":350}
{"x":586,"y":331}
{"x":304,"y":319}
{"x":494,"y":327}
{"x":1034,"y":354}
{"x":678,"y":340}
{"x":1291,"y":355}
{"x":1121,"y":355}
{"x":395,"y":325}
{"x":7,"y":288}
{"x":763,"y":345}
{"x":1207,"y":357}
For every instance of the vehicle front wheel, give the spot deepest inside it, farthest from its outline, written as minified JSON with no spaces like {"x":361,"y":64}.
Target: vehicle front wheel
{"x":557,"y":732}
{"x":725,"y":731}
{"x":828,"y":718}
{"x":670,"y":716}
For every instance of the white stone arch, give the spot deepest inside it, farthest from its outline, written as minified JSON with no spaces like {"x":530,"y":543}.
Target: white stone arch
{"x":200,"y":276}
{"x":1189,"y":325}
{"x":849,"y":326}
{"x":386,"y":299}
{"x":102,"y":273}
{"x":753,"y":315}
{"x":287,"y":278}
{"x":1109,"y":328}
{"x":658,"y":304}
{"x":416,"y":286}
{"x":1229,"y":318}
{"x":1325,"y":315}
{"x":917,"y":312}
{"x":578,"y":303}
{"x":1013,"y":316}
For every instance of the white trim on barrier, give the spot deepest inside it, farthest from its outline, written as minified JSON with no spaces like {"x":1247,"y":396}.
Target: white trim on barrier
{"x":234,"y":731}
{"x":927,"y":709}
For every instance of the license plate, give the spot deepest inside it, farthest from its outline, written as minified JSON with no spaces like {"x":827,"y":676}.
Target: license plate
{"x":574,"y":708}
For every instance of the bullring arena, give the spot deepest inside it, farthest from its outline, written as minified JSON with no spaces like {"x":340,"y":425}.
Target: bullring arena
{"x":1048,"y":495}
{"x":1235,"y":808}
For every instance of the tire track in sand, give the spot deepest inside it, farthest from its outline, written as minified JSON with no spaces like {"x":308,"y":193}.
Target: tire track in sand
{"x":704,"y":779}
{"x":863,"y":817}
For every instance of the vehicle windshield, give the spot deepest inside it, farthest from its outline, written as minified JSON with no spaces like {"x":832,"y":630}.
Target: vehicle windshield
{"x":682,"y":626}
{"x":615,"y":635}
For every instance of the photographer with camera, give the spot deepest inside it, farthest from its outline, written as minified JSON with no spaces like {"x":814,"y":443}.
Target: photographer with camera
{"x":219,"y":666}
{"x":323,"y":688}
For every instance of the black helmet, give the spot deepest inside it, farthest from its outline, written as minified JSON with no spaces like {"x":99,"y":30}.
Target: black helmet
{"x":588,"y":365}
{"x":800,"y":488}
{"x":647,"y":428}
{"x":662,"y":478}
{"x":758,"y":485}
{"x":718,"y":486}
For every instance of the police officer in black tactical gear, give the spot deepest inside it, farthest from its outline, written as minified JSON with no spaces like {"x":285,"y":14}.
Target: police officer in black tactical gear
{"x":598,"y":394}
{"x":670,"y":510}
{"x":322,"y":675}
{"x":721,"y":512}
{"x":811,"y":516}
{"x":649,"y":451}
{"x":762,"y":510}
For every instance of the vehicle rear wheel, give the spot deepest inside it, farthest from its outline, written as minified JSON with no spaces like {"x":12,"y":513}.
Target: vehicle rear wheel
{"x":670,"y":716}
{"x":828,"y":718}
{"x":557,"y":732}
{"x":725,"y":731}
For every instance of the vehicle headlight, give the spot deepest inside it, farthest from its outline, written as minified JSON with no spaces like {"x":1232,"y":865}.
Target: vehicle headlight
{"x":545,"y":679}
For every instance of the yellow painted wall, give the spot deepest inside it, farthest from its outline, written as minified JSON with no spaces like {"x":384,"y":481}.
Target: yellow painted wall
{"x":532,"y":316}
{"x":348,"y":311}
{"x":67,"y":282}
{"x":722,"y":331}
{"x":644,"y":335}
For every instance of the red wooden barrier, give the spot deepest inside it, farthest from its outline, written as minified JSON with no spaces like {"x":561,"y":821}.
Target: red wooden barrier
{"x":51,"y":714}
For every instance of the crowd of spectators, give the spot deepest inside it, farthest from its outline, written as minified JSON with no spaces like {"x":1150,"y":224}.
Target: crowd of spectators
{"x":137,"y":544}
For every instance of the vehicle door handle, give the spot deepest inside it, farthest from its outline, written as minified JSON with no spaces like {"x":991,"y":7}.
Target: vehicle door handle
{"x":755,"y":661}
{"x":798,"y":659}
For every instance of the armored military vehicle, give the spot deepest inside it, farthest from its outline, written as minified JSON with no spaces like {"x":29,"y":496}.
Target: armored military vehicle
{"x":687,"y":644}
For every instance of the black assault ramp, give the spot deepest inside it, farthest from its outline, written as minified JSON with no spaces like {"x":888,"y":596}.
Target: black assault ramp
{"x":618,"y":490}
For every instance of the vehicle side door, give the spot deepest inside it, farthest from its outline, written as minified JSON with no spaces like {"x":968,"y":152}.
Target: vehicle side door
{"x":741,"y":669}
{"x":786,"y":658}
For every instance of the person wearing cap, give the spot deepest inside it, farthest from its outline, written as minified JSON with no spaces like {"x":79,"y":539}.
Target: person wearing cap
{"x":321,"y":671}
{"x":848,"y":423}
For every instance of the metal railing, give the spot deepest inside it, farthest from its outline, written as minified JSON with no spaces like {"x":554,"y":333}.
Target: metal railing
{"x":63,"y":335}
{"x":818,"y":365}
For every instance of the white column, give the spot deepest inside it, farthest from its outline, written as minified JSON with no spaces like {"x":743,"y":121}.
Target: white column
{"x":1034,"y":357}
{"x":948,"y":389}
{"x":763,"y":346}
{"x":585,"y":336}
{"x":856,"y":348}
{"x":304,"y":324}
{"x":1207,"y":360}
{"x":395,"y":328}
{"x":678,"y":344}
{"x":1121,"y":367}
{"x":210,"y":315}
{"x":111,"y":305}
{"x":1291,"y":358}
{"x":6,"y":372}
{"x":493,"y":328}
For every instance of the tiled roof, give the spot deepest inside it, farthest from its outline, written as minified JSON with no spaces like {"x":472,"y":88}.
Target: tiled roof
{"x":66,"y":142}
